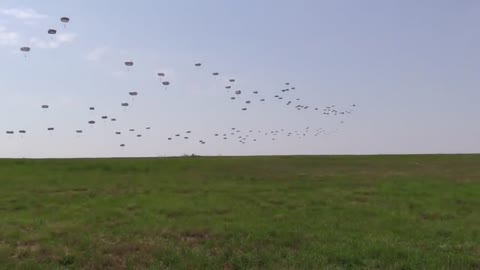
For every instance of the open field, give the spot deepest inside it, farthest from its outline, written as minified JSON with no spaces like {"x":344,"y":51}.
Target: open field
{"x":339,"y":212}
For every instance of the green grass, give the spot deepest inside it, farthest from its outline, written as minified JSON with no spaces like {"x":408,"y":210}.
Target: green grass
{"x":339,"y":212}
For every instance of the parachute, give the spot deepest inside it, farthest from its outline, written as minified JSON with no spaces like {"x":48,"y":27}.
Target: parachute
{"x":52,"y":32}
{"x":166,"y":84}
{"x":161,"y":75}
{"x":25,"y":50}
{"x":128,"y":64}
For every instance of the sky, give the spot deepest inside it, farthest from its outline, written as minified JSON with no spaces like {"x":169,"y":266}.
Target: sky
{"x":411,"y":67}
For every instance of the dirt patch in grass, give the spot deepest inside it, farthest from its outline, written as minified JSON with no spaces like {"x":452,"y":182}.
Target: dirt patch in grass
{"x":436,"y":216}
{"x":195,"y":237}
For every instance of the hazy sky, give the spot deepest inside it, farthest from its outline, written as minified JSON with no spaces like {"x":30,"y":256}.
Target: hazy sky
{"x":412,"y":68}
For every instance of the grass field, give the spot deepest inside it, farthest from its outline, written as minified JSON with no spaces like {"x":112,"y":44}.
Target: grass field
{"x":339,"y":212}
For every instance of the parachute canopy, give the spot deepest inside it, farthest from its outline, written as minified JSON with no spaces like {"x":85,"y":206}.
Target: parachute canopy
{"x":52,"y":31}
{"x":129,"y":63}
{"x":25,"y":49}
{"x":65,"y":19}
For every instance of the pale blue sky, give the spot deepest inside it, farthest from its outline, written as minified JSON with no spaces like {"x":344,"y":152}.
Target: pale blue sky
{"x":412,"y":67}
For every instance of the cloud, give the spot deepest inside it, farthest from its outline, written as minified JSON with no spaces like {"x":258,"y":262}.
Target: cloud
{"x":42,"y":44}
{"x":97,"y":53}
{"x":66,"y":37}
{"x":23,"y":13}
{"x":54,"y":43}
{"x":8,"y":38}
